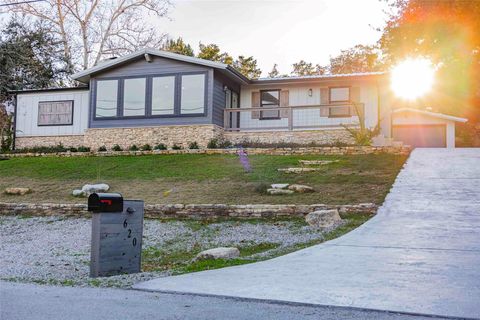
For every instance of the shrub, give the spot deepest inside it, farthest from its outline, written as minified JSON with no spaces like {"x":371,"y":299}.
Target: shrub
{"x":102,"y":149}
{"x":176,"y":147}
{"x":85,"y":149}
{"x":218,"y":144}
{"x":193,"y":145}
{"x":146,"y":147}
{"x":117,"y":148}
{"x":160,"y":146}
{"x":73,"y":149}
{"x":133,"y":147}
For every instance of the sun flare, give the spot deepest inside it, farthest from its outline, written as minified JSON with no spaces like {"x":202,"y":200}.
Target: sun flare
{"x":412,"y":78}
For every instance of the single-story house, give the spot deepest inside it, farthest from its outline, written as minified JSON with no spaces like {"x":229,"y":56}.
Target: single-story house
{"x":152,"y":97}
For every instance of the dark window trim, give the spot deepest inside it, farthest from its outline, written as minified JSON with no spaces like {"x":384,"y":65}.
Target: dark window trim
{"x":339,"y":101}
{"x":150,"y":96}
{"x":262,"y":105}
{"x":205,"y":94}
{"x":148,"y":100}
{"x":145,"y":105}
{"x":55,"y":125}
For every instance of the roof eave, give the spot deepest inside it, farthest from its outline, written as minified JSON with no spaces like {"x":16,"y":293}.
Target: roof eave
{"x":432,"y":114}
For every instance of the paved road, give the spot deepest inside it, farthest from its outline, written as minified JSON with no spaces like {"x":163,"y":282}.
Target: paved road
{"x":420,"y":253}
{"x":34,"y":302}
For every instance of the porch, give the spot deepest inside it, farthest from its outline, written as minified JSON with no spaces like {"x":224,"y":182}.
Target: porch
{"x":293,"y":118}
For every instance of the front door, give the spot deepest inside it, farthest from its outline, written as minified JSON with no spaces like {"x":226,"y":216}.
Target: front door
{"x":232,"y":102}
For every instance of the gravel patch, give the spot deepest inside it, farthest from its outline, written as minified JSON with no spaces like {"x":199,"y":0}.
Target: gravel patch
{"x":56,"y":250}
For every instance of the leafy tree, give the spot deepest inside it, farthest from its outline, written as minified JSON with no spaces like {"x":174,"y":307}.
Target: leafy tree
{"x":274,"y":73}
{"x":359,"y":58}
{"x":178,"y":46}
{"x":303,"y":68}
{"x":447,"y":32}
{"x":212,"y":52}
{"x":248,"y":67}
{"x":28,"y":58}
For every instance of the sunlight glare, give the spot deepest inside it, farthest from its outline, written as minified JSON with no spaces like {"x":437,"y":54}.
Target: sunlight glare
{"x":412,"y":78}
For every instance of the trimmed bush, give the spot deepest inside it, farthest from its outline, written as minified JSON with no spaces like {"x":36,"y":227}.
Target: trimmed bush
{"x":160,"y":146}
{"x":218,"y":144}
{"x":83,"y":149}
{"x":146,"y":147}
{"x":193,"y":145}
{"x":102,"y":149}
{"x":176,"y":147}
{"x":133,"y":148}
{"x":73,"y":149}
{"x":117,"y":148}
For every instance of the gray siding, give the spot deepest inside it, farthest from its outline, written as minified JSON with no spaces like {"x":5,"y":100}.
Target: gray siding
{"x":158,"y":66}
{"x":219,"y":96}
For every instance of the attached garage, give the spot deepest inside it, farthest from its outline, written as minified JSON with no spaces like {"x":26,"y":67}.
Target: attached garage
{"x":424,"y":129}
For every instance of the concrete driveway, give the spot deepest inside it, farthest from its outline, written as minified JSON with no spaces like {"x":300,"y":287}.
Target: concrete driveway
{"x":419,"y":254}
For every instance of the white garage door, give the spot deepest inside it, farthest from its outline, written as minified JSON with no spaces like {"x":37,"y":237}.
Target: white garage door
{"x":424,"y":136}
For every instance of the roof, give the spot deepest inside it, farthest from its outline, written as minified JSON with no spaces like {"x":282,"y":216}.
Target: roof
{"x":431,"y":114}
{"x":84,"y":76}
{"x":349,"y":76}
{"x":49,"y":89}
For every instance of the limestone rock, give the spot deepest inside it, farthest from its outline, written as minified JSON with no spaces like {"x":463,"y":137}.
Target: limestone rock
{"x":17,"y":191}
{"x":298,"y":170}
{"x":219,"y":253}
{"x":280,"y":186}
{"x":78,"y":193}
{"x":88,"y":189}
{"x":279,"y":191}
{"x":316,"y":162}
{"x":323,"y":218}
{"x":300,"y":188}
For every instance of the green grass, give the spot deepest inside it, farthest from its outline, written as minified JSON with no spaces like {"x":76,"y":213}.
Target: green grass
{"x":179,"y":261}
{"x":190,"y":178}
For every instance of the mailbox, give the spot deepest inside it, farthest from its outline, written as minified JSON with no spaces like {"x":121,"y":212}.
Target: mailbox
{"x":105,"y":202}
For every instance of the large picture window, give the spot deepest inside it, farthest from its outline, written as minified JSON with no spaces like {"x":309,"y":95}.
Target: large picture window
{"x":270,"y":99}
{"x":193,"y":94}
{"x":134,"y":93}
{"x":106,"y":101}
{"x":163,"y":95}
{"x":55,"y":113}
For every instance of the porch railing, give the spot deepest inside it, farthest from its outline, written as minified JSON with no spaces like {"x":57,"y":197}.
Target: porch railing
{"x":293,"y":117}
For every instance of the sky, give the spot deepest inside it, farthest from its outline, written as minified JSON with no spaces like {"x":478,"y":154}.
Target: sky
{"x":277,"y":31}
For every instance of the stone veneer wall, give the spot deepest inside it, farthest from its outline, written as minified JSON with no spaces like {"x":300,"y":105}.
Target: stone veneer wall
{"x":67,"y":141}
{"x":168,"y":135}
{"x":206,"y":211}
{"x":330,"y":136}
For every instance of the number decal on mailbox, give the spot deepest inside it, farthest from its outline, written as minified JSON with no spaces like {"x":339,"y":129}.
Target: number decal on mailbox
{"x":134,"y":242}
{"x":125,"y":224}
{"x":129,"y":233}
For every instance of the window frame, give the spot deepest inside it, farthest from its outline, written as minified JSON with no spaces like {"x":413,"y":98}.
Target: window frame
{"x":262,"y":105}
{"x":178,"y":108}
{"x":122,"y":94}
{"x":148,"y":96}
{"x":339,"y":101}
{"x":55,"y":125}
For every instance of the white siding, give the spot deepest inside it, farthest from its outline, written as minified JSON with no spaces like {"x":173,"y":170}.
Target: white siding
{"x":298,"y":96}
{"x":27,"y":113}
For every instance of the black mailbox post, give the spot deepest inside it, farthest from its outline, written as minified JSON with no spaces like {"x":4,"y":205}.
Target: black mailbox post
{"x":117,"y":230}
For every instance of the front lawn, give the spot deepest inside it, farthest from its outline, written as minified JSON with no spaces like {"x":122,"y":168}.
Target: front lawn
{"x":191,"y":178}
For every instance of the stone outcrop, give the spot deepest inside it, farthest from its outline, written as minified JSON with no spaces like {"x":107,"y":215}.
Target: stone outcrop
{"x":219,"y":253}
{"x":316,"y":162}
{"x":298,"y":170}
{"x":274,"y":191}
{"x":17,"y":191}
{"x":300,"y":188}
{"x":323,"y":218}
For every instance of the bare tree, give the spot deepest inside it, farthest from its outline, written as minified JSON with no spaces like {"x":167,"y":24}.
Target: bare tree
{"x":92,"y":29}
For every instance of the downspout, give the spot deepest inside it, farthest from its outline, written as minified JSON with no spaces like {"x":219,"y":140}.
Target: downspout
{"x":14,"y":122}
